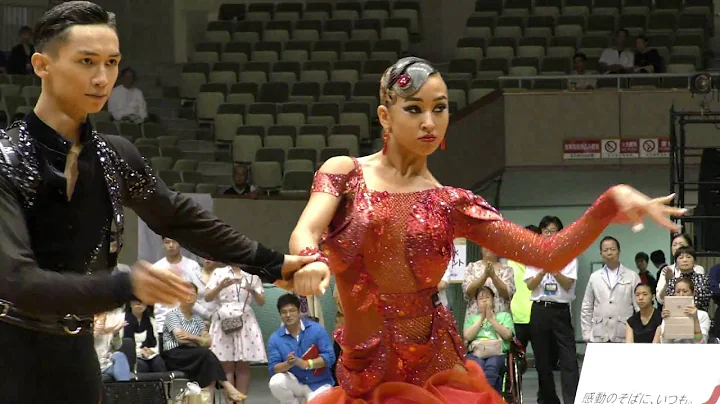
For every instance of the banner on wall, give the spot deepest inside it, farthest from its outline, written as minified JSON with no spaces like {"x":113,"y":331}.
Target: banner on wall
{"x":150,"y":246}
{"x":457,"y":264}
{"x":579,"y":149}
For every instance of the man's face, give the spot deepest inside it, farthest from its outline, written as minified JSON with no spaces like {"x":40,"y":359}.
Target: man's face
{"x":80,"y":71}
{"x":172,"y":248}
{"x":620,"y":39}
{"x":289,"y":314}
{"x":640,"y":45}
{"x":240,"y":176}
{"x":609,"y":252}
{"x":128,"y":79}
{"x":579,"y":64}
{"x":25,"y":37}
{"x":550,"y":230}
{"x":641,"y":264}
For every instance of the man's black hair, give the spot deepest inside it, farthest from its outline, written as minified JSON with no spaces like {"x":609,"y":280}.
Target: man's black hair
{"x":286,"y":299}
{"x":54,"y":24}
{"x":626,"y":32}
{"x":608,"y":238}
{"x":658,"y":257}
{"x":642,"y":256}
{"x":25,"y":29}
{"x":581,"y":56}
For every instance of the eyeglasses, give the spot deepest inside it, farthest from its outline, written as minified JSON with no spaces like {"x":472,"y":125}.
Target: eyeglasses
{"x":549,"y":232}
{"x":288,"y":312}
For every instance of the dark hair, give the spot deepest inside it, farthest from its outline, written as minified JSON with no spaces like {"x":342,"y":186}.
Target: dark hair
{"x":688,"y":281}
{"x":581,"y":56}
{"x":608,"y":238}
{"x":686,"y":236}
{"x":657,"y":257}
{"x":25,"y":30}
{"x":643,"y":37}
{"x":627,"y":33}
{"x":642,"y":256}
{"x":131,"y":70}
{"x":647,"y":285}
{"x":684,"y":250}
{"x":486,"y":289}
{"x":287,"y":299}
{"x":533,"y":228}
{"x":55,"y":23}
{"x":548,"y":220}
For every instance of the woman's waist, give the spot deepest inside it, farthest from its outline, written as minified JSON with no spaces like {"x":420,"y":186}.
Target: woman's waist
{"x":408,"y":305}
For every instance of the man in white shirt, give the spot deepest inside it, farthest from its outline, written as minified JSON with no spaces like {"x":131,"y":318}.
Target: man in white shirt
{"x":609,"y":297}
{"x":617,"y":59}
{"x":127,"y":101}
{"x":550,"y":323}
{"x":182,"y":266}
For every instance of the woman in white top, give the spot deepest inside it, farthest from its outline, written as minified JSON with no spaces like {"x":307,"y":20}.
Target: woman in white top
{"x":701,"y":319}
{"x":127,"y":101}
{"x":670,"y":271}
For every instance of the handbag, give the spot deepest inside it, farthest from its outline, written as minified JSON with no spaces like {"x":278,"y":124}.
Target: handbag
{"x":234,"y":323}
{"x":486,"y":348}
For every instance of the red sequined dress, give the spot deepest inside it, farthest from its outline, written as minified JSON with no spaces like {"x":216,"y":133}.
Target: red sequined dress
{"x":388,"y":252}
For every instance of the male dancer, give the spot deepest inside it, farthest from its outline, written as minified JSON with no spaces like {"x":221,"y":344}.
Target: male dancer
{"x":62,"y":191}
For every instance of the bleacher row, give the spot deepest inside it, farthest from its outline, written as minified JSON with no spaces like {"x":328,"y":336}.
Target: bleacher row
{"x":527,"y":38}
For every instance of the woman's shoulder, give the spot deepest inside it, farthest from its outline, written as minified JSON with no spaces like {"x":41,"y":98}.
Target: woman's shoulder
{"x":339,"y":165}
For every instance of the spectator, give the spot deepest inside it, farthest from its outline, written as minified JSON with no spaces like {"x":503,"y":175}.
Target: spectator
{"x":701,"y":319}
{"x":139,"y":326}
{"x":233,"y":290}
{"x":200,"y":278}
{"x":294,"y":378}
{"x":442,"y":289}
{"x":550,"y":323}
{"x":579,"y":62}
{"x":715,"y":290}
{"x":241,"y":181}
{"x":608,"y":301}
{"x":492,"y":273}
{"x":127,"y":102}
{"x":641,"y":326}
{"x":186,"y":342}
{"x":685,"y":261}
{"x":20,"y":55}
{"x":670,"y":271}
{"x":617,"y":59}
{"x":489,"y":335}
{"x":646,"y":60}
{"x":641,"y":262}
{"x":107,"y":339}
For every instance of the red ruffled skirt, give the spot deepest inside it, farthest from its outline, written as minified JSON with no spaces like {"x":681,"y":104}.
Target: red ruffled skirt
{"x":447,"y":387}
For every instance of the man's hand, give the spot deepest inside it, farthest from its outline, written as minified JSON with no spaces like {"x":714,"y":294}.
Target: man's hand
{"x":312,"y":279}
{"x":157,"y":286}
{"x":291,"y":359}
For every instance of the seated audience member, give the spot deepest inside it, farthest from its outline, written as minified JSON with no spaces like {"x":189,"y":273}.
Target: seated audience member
{"x":646,"y":60}
{"x":127,"y":102}
{"x":577,"y":83}
{"x":671,"y":271}
{"x":641,"y":262}
{"x":617,"y":59}
{"x":141,"y":328}
{"x":19,"y":61}
{"x":107,"y":340}
{"x":488,"y":334}
{"x":187,"y":350}
{"x":642,"y":325}
{"x":685,"y":262}
{"x":295,"y":379}
{"x":715,"y":290}
{"x":241,"y":181}
{"x":701,"y":319}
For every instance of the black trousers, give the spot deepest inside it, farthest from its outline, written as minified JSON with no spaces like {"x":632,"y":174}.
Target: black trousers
{"x":550,"y":326}
{"x":42,"y":368}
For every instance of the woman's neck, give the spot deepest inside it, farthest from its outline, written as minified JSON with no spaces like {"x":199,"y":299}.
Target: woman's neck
{"x":406,"y":165}
{"x":138,"y":317}
{"x":647,"y":311}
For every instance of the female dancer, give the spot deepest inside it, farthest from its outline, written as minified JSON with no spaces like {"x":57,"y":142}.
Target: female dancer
{"x":390,"y":229}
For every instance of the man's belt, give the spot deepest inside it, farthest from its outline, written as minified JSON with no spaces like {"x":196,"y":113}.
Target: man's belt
{"x":69,"y":325}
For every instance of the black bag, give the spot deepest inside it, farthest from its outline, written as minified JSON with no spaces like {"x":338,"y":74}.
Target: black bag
{"x":134,"y":392}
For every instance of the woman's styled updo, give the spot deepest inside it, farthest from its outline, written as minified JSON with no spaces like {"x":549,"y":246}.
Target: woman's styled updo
{"x":404,"y":78}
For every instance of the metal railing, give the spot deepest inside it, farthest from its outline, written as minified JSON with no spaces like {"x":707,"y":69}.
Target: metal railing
{"x":622,"y":81}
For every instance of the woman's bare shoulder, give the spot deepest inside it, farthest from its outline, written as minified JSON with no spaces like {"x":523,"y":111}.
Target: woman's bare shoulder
{"x":338,"y":165}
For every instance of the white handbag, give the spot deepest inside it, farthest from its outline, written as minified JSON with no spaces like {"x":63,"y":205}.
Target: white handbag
{"x":486,"y":348}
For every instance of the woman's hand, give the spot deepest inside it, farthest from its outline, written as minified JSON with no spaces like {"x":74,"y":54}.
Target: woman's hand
{"x":633,"y":206}
{"x":225,"y":283}
{"x":665,"y":313}
{"x":691,"y":311}
{"x":668,"y":273}
{"x":312,"y":279}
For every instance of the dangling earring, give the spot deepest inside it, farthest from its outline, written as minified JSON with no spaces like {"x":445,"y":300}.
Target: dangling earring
{"x":385,"y":142}
{"x":442,"y":144}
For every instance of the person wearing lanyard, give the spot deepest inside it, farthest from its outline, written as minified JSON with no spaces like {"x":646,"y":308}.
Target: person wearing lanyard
{"x":550,"y":323}
{"x":608,"y":301}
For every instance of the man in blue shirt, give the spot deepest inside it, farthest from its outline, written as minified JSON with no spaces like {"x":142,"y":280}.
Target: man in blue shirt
{"x":294,"y":378}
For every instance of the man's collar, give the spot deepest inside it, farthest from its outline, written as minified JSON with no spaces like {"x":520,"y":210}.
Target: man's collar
{"x":302,"y":327}
{"x":49,"y":136}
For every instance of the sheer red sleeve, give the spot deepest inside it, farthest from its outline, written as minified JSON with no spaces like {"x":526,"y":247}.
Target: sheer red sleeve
{"x":477,"y":221}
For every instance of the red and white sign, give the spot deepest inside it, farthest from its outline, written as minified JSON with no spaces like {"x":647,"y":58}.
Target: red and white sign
{"x":629,"y":148}
{"x":655,"y":147}
{"x":581,"y":149}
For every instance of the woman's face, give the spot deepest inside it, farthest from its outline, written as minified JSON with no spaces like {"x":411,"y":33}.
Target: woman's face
{"x":685,"y":262}
{"x":484,"y":300}
{"x":190,"y":302}
{"x":683,"y":289}
{"x":417,"y":124}
{"x":678,"y":242}
{"x":643,"y":296}
{"x":138,"y":308}
{"x":489,"y":255}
